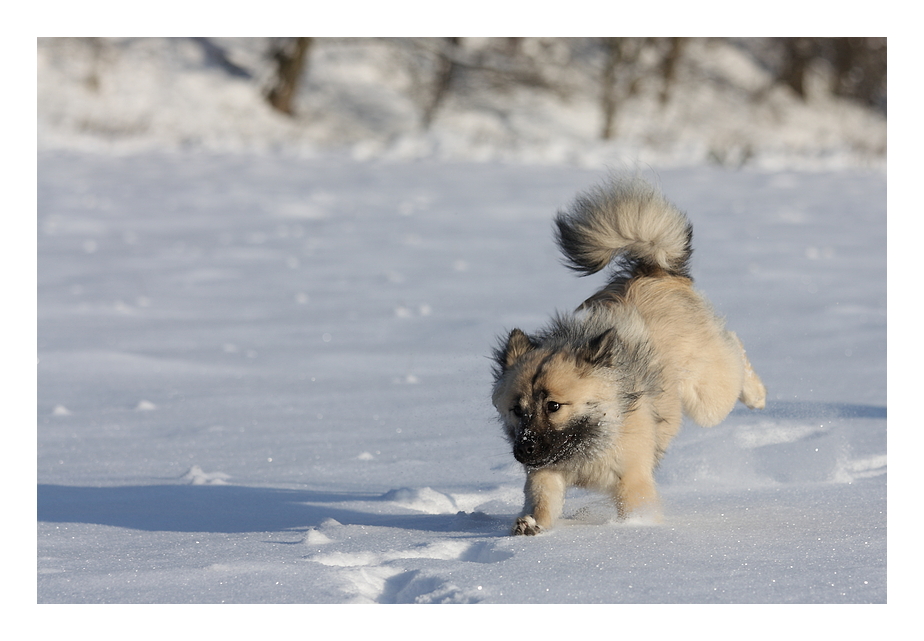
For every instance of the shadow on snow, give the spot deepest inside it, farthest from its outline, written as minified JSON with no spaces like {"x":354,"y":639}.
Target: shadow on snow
{"x":813,"y":410}
{"x":232,"y":508}
{"x":227,"y":508}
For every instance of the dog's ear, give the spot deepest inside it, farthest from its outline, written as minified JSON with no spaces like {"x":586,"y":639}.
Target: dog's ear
{"x":599,"y":349}
{"x":517,"y":344}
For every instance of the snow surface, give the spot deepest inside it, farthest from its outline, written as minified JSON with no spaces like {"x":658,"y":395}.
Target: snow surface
{"x":264,"y":379}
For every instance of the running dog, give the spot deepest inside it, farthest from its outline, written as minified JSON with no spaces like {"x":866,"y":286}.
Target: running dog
{"x":594,"y":399}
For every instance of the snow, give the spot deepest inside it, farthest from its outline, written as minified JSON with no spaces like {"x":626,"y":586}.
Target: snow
{"x":263,"y":377}
{"x":268,"y":408}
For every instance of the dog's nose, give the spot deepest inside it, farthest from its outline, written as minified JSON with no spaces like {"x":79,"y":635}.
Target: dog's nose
{"x":525,"y":449}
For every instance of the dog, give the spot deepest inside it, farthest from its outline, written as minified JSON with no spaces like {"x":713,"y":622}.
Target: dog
{"x":594,"y":399}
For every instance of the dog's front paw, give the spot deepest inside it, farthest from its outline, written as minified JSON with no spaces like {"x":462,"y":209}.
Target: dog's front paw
{"x":526,"y":526}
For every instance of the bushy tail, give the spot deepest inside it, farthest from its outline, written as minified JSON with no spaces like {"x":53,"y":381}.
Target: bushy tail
{"x":626,"y":219}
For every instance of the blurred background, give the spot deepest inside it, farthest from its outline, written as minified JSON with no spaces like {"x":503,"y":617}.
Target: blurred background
{"x":766,"y":102}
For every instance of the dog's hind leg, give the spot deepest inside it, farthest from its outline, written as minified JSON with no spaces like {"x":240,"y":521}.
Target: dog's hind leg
{"x":753,"y":392}
{"x":640,"y":448}
{"x":638,"y":496}
{"x":722,"y":375}
{"x":636,"y":493}
{"x":545,"y":497}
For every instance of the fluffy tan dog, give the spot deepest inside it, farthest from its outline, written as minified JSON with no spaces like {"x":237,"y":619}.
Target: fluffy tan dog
{"x":594,"y":399}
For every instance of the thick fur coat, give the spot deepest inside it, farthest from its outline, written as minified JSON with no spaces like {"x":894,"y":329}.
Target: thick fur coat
{"x":594,"y":399}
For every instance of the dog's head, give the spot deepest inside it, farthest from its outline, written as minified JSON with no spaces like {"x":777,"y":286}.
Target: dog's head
{"x":553,"y":401}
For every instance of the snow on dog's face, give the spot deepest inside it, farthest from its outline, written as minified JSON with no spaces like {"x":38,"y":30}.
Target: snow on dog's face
{"x":550,"y":402}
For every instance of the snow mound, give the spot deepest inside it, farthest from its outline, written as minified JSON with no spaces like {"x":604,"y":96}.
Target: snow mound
{"x":196,"y":476}
{"x":422,"y":500}
{"x":315,"y":537}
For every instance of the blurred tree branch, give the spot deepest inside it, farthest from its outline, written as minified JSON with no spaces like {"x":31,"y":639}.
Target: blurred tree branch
{"x":290,"y":57}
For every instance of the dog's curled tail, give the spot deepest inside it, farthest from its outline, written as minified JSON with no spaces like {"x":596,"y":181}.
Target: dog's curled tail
{"x":627,"y":219}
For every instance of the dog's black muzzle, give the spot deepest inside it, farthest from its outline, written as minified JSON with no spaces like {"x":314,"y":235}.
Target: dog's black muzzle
{"x":524,"y":450}
{"x":536,"y":449}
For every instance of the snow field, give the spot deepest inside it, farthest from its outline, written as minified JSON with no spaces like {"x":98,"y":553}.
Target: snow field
{"x":265,"y":380}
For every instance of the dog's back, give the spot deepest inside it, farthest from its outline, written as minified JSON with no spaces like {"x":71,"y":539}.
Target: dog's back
{"x":630,"y":225}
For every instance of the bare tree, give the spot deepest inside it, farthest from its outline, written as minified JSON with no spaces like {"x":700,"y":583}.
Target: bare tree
{"x":443,"y":67}
{"x":290,"y":56}
{"x":217,"y":56}
{"x":92,"y":81}
{"x":447,"y":68}
{"x":860,"y":69}
{"x":622,"y":74}
{"x":798,"y":54}
{"x":857,"y":66}
{"x":669,"y":63}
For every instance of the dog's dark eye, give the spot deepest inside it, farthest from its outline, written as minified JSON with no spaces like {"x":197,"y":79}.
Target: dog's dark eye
{"x":517,"y":411}
{"x":552,"y":406}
